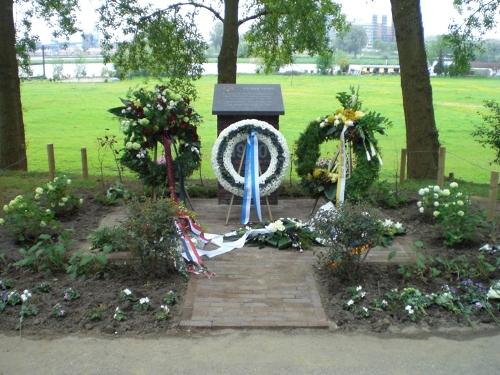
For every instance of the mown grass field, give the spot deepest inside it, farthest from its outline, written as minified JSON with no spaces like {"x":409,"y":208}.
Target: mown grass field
{"x":73,"y":115}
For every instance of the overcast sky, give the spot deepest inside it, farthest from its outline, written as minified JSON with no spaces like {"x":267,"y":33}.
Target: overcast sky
{"x":436,"y":15}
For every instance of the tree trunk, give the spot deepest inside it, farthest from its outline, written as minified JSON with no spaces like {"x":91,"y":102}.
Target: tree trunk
{"x":421,"y":134}
{"x":12,"y":143}
{"x":228,"y":55}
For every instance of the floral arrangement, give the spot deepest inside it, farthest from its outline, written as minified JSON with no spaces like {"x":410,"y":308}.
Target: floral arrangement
{"x":229,"y":177}
{"x":283,"y":233}
{"x":319,"y":176}
{"x":450,"y":208}
{"x":145,"y":118}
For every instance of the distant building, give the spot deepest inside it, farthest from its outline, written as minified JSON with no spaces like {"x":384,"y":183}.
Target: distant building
{"x":379,"y":31}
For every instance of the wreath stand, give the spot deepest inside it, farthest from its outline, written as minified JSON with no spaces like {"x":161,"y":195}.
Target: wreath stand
{"x":233,"y":195}
{"x":333,"y":165}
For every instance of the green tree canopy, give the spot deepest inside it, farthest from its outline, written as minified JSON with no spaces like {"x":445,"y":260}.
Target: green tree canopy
{"x":352,"y":41}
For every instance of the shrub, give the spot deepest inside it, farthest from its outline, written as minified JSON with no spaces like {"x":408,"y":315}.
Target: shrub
{"x":46,"y":255}
{"x":451,"y":209}
{"x":55,"y":196}
{"x":110,"y":239}
{"x":386,"y":195}
{"x":86,"y":264}
{"x":153,"y":235}
{"x":27,"y":220}
{"x":352,"y":231}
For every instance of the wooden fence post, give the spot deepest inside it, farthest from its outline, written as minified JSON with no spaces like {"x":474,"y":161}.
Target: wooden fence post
{"x":402,"y":168}
{"x":85,"y":166}
{"x":492,"y":204}
{"x":52,"y":161}
{"x":440,"y":176}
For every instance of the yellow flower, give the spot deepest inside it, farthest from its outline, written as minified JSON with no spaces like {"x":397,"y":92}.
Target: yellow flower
{"x":350,"y":114}
{"x":331,"y":118}
{"x":359,"y":114}
{"x":317,"y":173}
{"x":333,"y":176}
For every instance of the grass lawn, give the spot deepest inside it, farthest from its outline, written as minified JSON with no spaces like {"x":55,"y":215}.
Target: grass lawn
{"x":72,"y":115}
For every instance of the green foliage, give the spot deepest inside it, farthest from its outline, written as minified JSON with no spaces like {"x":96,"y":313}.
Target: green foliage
{"x":324,"y":62}
{"x":170,"y":298}
{"x":71,"y":294}
{"x":95,"y":314}
{"x":110,"y":239}
{"x":153,"y":235}
{"x":27,"y":310}
{"x":27,"y":220}
{"x":86,"y":264}
{"x":351,"y":231}
{"x":488,"y":133}
{"x":386,"y":195}
{"x":42,"y":287}
{"x":47,"y":255}
{"x":55,"y":196}
{"x":451,"y":209}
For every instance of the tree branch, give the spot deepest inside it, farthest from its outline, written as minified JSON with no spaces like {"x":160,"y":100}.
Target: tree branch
{"x":196,"y":5}
{"x":252,"y":17}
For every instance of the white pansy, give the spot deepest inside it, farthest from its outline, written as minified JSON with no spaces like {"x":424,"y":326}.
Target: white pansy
{"x":144,"y":300}
{"x":358,"y":288}
{"x":421,"y":210}
{"x":398,"y":226}
{"x":26,"y":295}
{"x":127,"y":291}
{"x":350,"y":302}
{"x":387,"y":223}
{"x":165,"y":308}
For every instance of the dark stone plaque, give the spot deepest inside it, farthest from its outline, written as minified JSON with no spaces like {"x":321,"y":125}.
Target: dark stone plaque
{"x":251,"y":100}
{"x":235,"y":102}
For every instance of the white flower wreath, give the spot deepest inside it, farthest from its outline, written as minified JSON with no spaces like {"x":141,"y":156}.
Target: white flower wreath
{"x":224,"y":146}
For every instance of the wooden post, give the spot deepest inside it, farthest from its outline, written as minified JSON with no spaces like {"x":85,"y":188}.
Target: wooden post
{"x":402,"y":168}
{"x":52,"y":161}
{"x":85,"y":166}
{"x":440,"y":176}
{"x":492,"y":204}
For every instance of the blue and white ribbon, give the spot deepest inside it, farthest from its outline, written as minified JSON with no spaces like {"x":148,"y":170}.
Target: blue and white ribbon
{"x":343,"y":165}
{"x":251,"y":190}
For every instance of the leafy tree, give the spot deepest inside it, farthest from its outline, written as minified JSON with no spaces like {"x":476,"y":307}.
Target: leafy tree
{"x":216,"y":36}
{"x":488,"y":133}
{"x":353,"y":41}
{"x":163,"y":39}
{"x":479,"y":16}
{"x":324,"y":62}
{"x":490,"y":51}
{"x":440,"y":68}
{"x":16,"y":41}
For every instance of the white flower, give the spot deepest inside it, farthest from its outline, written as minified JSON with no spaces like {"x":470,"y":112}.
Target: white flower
{"x":435,"y":213}
{"x":136,"y":146}
{"x":421,"y":210}
{"x":276,"y":226}
{"x":453,"y":185}
{"x":144,"y":300}
{"x":5,"y":208}
{"x":387,"y":223}
{"x":358,"y":288}
{"x":436,"y":188}
{"x":398,"y":226}
{"x":384,"y":302}
{"x":421,"y":191}
{"x":68,"y":181}
{"x":2,"y":221}
{"x":350,"y":302}
{"x":460,"y":213}
{"x":50,"y":186}
{"x":436,"y":204}
{"x":363,"y":294}
{"x":426,"y":190}
{"x":445,"y":192}
{"x":128,"y":145}
{"x":127,"y":291}
{"x":365,"y":309}
{"x":419,"y":204}
{"x":336,"y":122}
{"x":64,"y":199}
{"x":409,"y":309}
{"x":39,"y":190}
{"x":460,"y":203}
{"x":165,"y":308}
{"x":143,"y":121}
{"x":26,"y":295}
{"x":436,"y":196}
{"x":459,"y":194}
{"x":349,"y":123}
{"x":81,"y":201}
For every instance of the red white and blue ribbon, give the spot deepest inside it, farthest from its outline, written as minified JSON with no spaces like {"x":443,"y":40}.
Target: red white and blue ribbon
{"x":251,"y":190}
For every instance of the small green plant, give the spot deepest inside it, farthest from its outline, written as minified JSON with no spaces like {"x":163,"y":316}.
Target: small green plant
{"x":353,"y":304}
{"x":27,"y":310}
{"x":119,"y":315}
{"x":86,"y":264}
{"x":42,"y":287}
{"x":143,"y":305}
{"x":450,"y":208}
{"x":350,"y":232}
{"x":70,"y":294}
{"x":58,"y":311}
{"x":6,"y":284}
{"x":387,"y":195}
{"x":170,"y":298}
{"x":27,"y":220}
{"x":95,"y":314}
{"x":162,"y":313}
{"x":14,"y":298}
{"x":109,"y":239}
{"x":47,"y":255}
{"x":127,"y":295}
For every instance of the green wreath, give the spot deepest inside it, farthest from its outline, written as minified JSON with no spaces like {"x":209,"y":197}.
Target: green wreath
{"x":144,"y":118}
{"x":318,"y":176}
